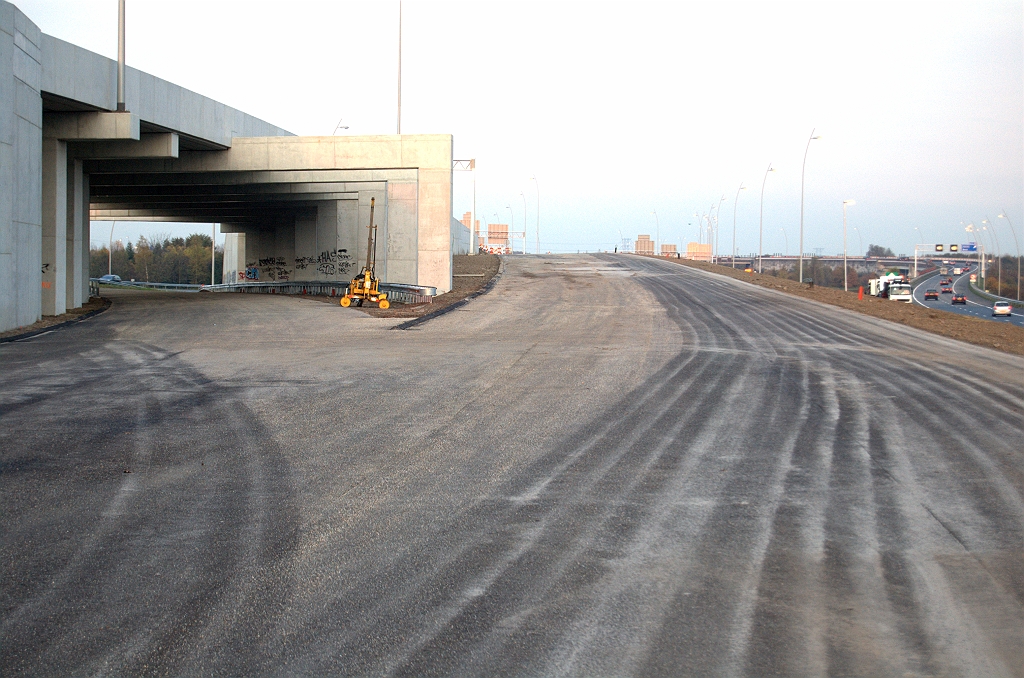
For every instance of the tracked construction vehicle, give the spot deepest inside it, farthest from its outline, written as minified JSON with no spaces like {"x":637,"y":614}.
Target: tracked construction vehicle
{"x":366,"y":287}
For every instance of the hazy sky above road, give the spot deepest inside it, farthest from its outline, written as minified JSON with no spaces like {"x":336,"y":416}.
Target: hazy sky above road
{"x":621,"y":109}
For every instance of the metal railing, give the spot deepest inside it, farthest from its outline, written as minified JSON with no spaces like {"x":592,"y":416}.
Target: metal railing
{"x":138,"y":284}
{"x":400,"y":292}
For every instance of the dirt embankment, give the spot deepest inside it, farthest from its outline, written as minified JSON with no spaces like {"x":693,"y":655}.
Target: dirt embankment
{"x":998,"y":335}
{"x":469,"y":275}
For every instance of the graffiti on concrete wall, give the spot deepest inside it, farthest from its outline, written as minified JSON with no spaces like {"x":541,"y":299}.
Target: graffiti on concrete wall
{"x":273,"y":268}
{"x":328,"y":262}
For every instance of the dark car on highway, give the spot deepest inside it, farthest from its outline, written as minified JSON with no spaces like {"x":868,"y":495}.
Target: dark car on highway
{"x":959,"y":299}
{"x":931,"y":294}
{"x":108,"y":278}
{"x":947,"y":290}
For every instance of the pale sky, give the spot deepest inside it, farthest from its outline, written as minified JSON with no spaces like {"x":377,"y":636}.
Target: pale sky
{"x":621,"y":109}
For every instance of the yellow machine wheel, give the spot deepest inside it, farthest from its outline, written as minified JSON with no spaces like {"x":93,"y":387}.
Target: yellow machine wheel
{"x":346,"y":302}
{"x":384,"y":303}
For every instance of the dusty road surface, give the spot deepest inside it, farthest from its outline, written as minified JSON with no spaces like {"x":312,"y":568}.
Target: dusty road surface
{"x":605,"y":466}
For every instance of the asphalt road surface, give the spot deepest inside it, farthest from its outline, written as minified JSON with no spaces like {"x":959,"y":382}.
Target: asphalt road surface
{"x":607,"y":465}
{"x":976,"y":306}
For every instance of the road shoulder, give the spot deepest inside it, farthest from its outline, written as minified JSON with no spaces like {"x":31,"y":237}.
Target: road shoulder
{"x":999,"y":336}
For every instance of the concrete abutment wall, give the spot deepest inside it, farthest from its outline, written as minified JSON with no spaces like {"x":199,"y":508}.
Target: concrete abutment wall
{"x":21,"y":160}
{"x":294,"y":208}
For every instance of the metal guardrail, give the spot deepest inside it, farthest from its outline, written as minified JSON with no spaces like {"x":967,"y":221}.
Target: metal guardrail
{"x":994,"y":297}
{"x":138,"y":285}
{"x":400,"y":292}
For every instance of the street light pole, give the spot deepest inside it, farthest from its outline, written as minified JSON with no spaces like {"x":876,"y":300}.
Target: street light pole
{"x":213,"y":253}
{"x":735,"y":202}
{"x":1017,"y":244}
{"x":511,"y":227}
{"x":999,"y":255}
{"x":474,"y":238}
{"x":711,"y":233}
{"x":920,"y":237}
{"x":718,"y":220}
{"x":846,"y":286}
{"x":657,"y":231}
{"x":110,"y":250}
{"x":536,"y":183}
{"x":522,"y":195}
{"x":985,"y":260}
{"x":760,"y":227}
{"x":803,"y":169}
{"x":399,"y":67}
{"x":120,"y":56}
{"x":980,"y":246}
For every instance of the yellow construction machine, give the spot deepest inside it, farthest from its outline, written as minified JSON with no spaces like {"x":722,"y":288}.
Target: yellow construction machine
{"x":366,"y":286}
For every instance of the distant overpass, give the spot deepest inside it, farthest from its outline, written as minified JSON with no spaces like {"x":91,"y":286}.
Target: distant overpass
{"x":773,"y":262}
{"x":295,"y":208}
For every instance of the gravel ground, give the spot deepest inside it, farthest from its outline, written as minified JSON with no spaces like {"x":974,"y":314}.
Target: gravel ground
{"x":643,"y":470}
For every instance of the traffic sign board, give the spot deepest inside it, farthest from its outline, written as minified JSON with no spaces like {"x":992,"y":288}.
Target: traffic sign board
{"x":969,"y":247}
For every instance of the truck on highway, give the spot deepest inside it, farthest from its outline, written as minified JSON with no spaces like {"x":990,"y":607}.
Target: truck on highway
{"x":901,"y":292}
{"x":893,"y":286}
{"x":958,"y":271}
{"x":944,"y":271}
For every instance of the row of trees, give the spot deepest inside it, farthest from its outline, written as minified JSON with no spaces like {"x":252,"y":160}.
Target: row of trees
{"x":164,"y":259}
{"x":1009,"y":277}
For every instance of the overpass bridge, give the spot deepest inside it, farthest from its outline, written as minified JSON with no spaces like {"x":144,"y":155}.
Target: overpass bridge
{"x":294,"y":208}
